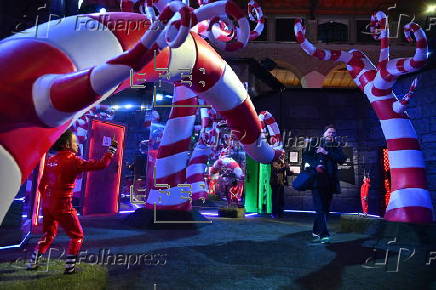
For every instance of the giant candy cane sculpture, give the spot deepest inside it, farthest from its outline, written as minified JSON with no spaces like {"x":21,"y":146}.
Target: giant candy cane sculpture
{"x":195,"y":172}
{"x":410,"y":200}
{"x":53,"y":73}
{"x":271,"y":129}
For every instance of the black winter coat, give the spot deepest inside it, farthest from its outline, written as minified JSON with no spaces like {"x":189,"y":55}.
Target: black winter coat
{"x":330,"y":161}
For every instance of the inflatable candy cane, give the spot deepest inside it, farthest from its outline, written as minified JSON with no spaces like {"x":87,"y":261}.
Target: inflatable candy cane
{"x":226,"y":94}
{"x":222,"y":28}
{"x":195,"y":172}
{"x":271,"y":128}
{"x":69,"y":69}
{"x":172,"y":156}
{"x":410,"y":200}
{"x":253,"y":6}
{"x":73,"y":64}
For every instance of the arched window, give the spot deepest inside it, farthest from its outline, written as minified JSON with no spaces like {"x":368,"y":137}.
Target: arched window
{"x":332,"y":31}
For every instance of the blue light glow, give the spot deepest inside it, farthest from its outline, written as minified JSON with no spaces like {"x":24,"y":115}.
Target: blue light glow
{"x":17,"y":245}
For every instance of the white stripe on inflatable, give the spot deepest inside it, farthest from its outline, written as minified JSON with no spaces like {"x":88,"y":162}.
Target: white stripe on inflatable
{"x":380,"y":83}
{"x":177,"y":129}
{"x":199,"y":187}
{"x":171,"y":164}
{"x":105,"y":77}
{"x":85,"y":40}
{"x":409,"y":197}
{"x":10,"y":181}
{"x":211,"y":10}
{"x":182,"y":59}
{"x":43,"y":105}
{"x":195,"y":168}
{"x":183,"y":93}
{"x":371,"y":98}
{"x":234,"y":95}
{"x":406,"y":159}
{"x":260,"y":151}
{"x":398,"y":128}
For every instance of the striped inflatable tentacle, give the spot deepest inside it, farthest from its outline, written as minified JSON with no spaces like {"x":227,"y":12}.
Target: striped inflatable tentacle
{"x":170,"y":191}
{"x":400,"y":106}
{"x":227,"y":95}
{"x":195,"y":172}
{"x":401,"y":66}
{"x":259,"y":19}
{"x":226,"y":9}
{"x":383,"y":36}
{"x":310,"y":49}
{"x":271,"y":128}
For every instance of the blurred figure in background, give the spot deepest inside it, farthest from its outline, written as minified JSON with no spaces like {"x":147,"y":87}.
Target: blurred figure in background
{"x":279,"y":173}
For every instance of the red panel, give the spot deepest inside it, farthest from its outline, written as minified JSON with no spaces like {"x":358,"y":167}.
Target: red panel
{"x":102,"y":187}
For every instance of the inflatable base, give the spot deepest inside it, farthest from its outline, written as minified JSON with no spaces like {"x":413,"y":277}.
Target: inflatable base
{"x":231,"y":212}
{"x":144,"y":218}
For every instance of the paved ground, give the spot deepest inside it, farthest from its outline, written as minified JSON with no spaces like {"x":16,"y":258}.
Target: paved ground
{"x":252,"y":253}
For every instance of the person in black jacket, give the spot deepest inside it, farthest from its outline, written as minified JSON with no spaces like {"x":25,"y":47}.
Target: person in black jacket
{"x":324,"y":156}
{"x":279,"y":171}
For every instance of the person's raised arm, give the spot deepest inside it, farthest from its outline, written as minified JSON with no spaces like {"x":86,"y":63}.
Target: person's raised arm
{"x":104,"y":162}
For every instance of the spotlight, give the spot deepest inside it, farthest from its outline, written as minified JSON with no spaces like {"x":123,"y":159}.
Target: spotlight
{"x":430,"y":8}
{"x":102,"y":10}
{"x":159,"y":97}
{"x":115,"y":107}
{"x":128,"y":106}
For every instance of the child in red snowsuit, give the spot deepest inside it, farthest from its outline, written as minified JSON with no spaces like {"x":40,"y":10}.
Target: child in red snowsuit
{"x":56,"y":187}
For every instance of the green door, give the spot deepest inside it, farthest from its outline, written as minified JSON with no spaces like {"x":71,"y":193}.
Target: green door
{"x":257,"y":187}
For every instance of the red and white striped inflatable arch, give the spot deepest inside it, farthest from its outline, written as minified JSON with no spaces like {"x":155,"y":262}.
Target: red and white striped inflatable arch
{"x":410,"y":200}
